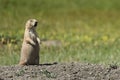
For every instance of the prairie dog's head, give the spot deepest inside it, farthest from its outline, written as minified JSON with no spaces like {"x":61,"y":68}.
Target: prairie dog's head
{"x":31,"y":23}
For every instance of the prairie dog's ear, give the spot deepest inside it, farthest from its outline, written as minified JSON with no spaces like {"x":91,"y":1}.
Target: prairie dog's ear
{"x":31,"y":23}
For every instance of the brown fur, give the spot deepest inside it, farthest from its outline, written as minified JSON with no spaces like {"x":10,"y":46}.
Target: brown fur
{"x":30,"y":46}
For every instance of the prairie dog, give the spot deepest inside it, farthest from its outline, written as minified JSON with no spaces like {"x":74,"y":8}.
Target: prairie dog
{"x":31,"y":44}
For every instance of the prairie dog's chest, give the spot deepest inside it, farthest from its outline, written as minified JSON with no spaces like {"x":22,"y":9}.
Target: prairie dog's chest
{"x":32,"y":34}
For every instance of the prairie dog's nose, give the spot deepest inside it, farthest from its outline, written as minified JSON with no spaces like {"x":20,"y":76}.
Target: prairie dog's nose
{"x":35,"y":23}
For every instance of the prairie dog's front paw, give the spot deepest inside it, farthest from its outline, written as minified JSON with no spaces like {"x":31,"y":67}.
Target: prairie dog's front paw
{"x":28,"y":40}
{"x":38,"y":40}
{"x":33,"y":43}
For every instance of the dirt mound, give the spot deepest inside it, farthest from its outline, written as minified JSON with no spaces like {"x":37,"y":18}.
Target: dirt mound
{"x":61,"y":71}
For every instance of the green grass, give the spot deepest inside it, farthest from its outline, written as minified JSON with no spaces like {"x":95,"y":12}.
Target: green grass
{"x":89,"y":30}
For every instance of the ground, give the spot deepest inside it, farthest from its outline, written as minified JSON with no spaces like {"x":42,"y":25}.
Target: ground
{"x":60,"y":71}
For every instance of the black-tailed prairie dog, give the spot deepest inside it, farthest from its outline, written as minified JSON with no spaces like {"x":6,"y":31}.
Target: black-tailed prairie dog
{"x":31,"y":44}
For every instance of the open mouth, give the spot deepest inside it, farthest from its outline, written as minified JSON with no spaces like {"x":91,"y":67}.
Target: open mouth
{"x":35,"y":24}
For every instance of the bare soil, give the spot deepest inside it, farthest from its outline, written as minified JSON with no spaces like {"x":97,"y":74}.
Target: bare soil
{"x":60,"y":71}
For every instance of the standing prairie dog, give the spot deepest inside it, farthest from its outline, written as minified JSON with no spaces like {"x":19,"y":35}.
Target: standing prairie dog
{"x":30,"y":47}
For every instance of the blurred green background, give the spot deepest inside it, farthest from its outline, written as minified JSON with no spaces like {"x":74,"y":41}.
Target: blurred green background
{"x":88,"y":30}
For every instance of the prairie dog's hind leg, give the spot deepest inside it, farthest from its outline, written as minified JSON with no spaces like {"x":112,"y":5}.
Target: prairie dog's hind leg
{"x":23,"y":63}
